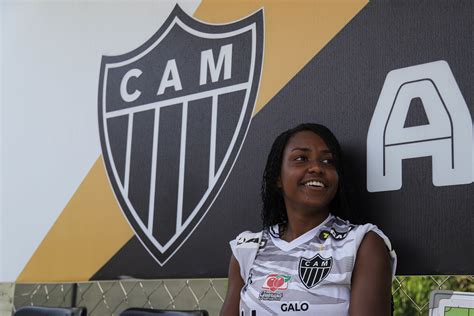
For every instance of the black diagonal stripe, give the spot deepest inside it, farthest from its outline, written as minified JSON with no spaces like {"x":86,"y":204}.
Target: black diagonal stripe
{"x":117,"y":129}
{"x":311,"y":277}
{"x":303,"y":274}
{"x":306,"y":273}
{"x":326,"y":272}
{"x":167,"y":173}
{"x":140,"y":163}
{"x":197,"y":154}
{"x":228,"y":114}
{"x":318,"y":277}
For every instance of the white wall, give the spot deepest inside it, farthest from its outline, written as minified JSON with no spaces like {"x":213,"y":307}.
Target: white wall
{"x":50,"y":59}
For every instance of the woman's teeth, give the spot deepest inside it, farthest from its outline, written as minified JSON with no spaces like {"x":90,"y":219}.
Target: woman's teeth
{"x":315,"y":184}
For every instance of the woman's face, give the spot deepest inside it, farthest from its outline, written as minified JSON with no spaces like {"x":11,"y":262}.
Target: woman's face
{"x":308,"y":176}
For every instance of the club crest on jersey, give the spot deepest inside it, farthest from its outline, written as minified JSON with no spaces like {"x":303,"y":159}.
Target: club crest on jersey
{"x":173,"y":115}
{"x":313,"y":270}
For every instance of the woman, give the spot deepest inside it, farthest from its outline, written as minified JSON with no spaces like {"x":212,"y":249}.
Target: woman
{"x":307,"y":260}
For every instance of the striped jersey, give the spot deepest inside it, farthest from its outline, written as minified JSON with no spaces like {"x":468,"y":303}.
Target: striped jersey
{"x":311,"y":275}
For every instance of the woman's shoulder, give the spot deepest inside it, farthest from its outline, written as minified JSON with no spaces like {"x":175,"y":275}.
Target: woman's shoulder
{"x":247,"y":239}
{"x":244,"y":248}
{"x":360,"y":231}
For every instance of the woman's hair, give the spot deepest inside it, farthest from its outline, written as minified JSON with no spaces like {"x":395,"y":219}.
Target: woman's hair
{"x":274,"y":210}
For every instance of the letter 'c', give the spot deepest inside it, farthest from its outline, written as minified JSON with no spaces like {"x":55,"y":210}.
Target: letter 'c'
{"x":129,"y":97}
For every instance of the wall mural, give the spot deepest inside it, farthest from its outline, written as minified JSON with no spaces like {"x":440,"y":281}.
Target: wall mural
{"x":186,"y":120}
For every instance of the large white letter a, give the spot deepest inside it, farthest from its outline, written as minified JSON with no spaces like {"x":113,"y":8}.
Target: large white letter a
{"x":447,"y":138}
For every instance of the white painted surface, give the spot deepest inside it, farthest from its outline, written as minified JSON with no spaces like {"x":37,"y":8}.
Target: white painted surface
{"x":50,"y":57}
{"x":6,"y":298}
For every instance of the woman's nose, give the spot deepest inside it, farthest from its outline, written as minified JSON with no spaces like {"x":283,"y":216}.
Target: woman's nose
{"x":315,"y":166}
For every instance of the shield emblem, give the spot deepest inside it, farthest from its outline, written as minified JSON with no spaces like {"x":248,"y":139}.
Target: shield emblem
{"x":313,"y":271}
{"x":173,"y":115}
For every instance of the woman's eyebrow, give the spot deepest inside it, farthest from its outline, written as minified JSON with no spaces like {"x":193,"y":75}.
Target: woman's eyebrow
{"x":324,"y":151}
{"x":300,"y":149}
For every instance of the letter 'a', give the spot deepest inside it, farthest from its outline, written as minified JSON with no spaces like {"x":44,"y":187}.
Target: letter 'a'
{"x":447,"y":138}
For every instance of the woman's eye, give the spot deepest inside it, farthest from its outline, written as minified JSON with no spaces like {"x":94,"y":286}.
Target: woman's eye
{"x":328,"y":161}
{"x":300,"y":158}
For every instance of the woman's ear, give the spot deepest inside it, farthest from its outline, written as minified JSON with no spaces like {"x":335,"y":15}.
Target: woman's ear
{"x":278,"y":182}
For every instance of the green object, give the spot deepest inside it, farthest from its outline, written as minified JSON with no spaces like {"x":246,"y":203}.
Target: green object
{"x":458,"y":311}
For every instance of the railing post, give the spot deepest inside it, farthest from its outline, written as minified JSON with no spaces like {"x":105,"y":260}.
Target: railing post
{"x":74,"y":295}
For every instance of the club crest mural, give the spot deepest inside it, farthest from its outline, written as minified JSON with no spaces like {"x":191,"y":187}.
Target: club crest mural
{"x":173,"y":115}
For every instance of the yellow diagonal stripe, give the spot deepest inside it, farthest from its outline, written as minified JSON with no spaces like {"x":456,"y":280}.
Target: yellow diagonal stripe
{"x":295,"y":31}
{"x":89,"y":231}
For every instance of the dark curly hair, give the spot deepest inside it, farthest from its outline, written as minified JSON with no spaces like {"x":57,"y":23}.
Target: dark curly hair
{"x":274,"y":210}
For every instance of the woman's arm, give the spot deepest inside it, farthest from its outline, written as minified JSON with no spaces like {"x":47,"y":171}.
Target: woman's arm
{"x":232,"y":298}
{"x":371,"y":279}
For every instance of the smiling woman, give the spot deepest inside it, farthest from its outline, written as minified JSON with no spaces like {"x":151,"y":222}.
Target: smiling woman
{"x":308,"y":259}
{"x":308,"y":180}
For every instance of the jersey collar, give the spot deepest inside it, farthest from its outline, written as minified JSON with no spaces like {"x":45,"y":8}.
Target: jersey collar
{"x":310,"y":234}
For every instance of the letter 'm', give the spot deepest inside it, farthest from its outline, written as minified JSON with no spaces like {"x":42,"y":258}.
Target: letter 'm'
{"x":207,"y":62}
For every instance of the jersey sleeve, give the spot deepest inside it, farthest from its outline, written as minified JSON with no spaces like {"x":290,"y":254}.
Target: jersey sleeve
{"x":364,"y":229}
{"x":245,"y":248}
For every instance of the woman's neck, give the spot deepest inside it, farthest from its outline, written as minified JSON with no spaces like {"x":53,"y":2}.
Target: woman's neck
{"x":298,"y":224}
